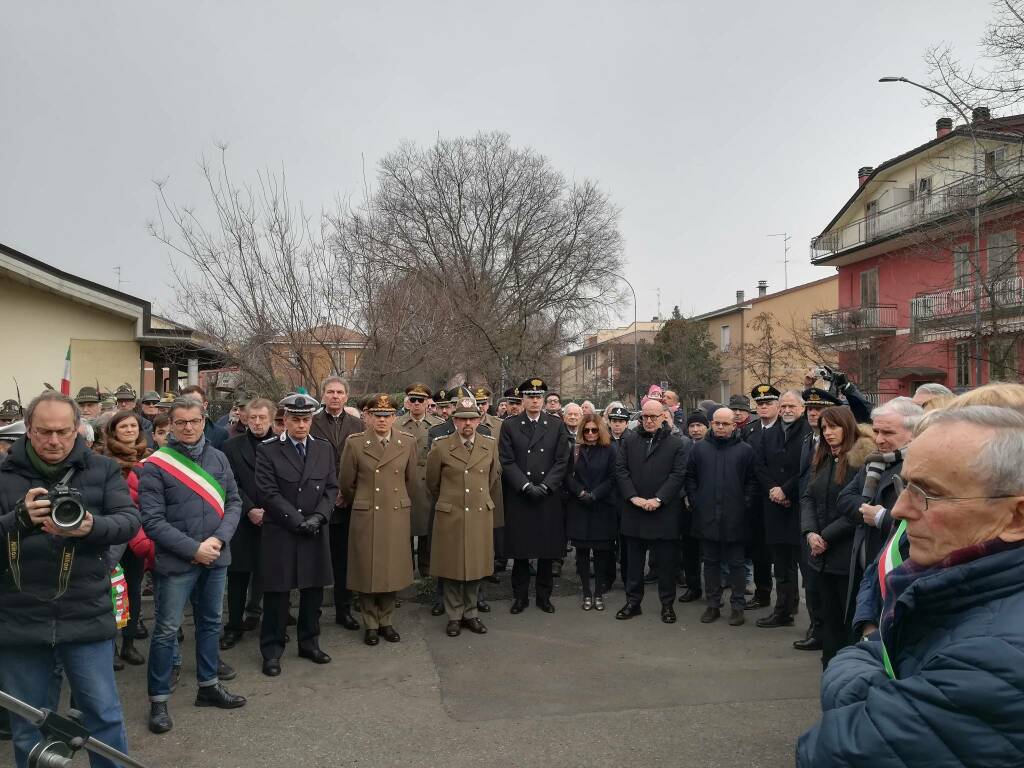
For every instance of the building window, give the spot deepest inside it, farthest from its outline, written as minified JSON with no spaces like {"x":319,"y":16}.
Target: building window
{"x":962,"y":269}
{"x":723,"y":391}
{"x":1002,"y":360}
{"x":726,"y":337}
{"x":868,"y":373}
{"x":1001,"y":250}
{"x":963,"y":364}
{"x":869,"y":287}
{"x":590,"y":361}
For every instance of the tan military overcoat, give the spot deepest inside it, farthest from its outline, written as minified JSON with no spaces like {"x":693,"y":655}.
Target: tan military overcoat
{"x":418,"y":488}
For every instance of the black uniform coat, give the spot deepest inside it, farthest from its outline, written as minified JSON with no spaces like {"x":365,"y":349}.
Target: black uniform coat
{"x":533,"y":528}
{"x":290,"y":490}
{"x":245,"y":544}
{"x":777,"y":463}
{"x":652,"y":469}
{"x":592,"y":469}
{"x":722,"y":489}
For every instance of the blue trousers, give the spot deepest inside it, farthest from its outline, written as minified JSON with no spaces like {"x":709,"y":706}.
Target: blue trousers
{"x":28,"y":673}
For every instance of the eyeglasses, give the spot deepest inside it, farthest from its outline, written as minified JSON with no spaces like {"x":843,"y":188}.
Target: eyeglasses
{"x":651,"y":416}
{"x":789,"y":407}
{"x":194,"y":423}
{"x":920,"y":500}
{"x":46,"y":434}
{"x":417,"y":399}
{"x":591,"y":431}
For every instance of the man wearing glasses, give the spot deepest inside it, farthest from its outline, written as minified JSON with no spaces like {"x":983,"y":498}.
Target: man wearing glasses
{"x":190,"y":508}
{"x":940,"y":684}
{"x":417,"y":422}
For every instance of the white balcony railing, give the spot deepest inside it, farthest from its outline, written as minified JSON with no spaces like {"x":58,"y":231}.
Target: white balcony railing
{"x":967,"y":311}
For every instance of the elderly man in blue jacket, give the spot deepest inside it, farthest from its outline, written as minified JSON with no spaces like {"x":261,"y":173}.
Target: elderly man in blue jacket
{"x":941,"y":686}
{"x":190,"y":508}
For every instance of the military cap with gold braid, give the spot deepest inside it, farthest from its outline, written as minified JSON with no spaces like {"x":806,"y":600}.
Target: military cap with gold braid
{"x":481,"y":394}
{"x":512,"y":395}
{"x":819,"y":398}
{"x":534,"y":386}
{"x":418,"y":390}
{"x":441,"y":396}
{"x":458,"y":393}
{"x":382,"y":405}
{"x":764,"y":393}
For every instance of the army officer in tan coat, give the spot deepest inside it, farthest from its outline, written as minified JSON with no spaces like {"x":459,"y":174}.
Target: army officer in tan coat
{"x":417,"y":422}
{"x":376,"y":470}
{"x":462,"y":475}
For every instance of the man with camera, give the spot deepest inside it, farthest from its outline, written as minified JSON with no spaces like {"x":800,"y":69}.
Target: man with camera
{"x":190,"y":509}
{"x":61,"y":508}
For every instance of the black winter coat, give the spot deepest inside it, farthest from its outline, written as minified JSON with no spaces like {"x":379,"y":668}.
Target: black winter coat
{"x":722,"y":487}
{"x":84,"y":613}
{"x":777,"y":463}
{"x":245,"y":545}
{"x":649,"y":468}
{"x":597,"y":520}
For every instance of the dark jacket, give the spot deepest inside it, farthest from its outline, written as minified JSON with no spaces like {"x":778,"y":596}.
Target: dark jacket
{"x":777,"y":463}
{"x":539,"y":457}
{"x":596,"y":520}
{"x":83,"y":614}
{"x":721,"y":488}
{"x":245,"y":544}
{"x":215,"y":435}
{"x":649,"y":468}
{"x":957,"y":652}
{"x":820,"y":512}
{"x":335,"y":430}
{"x":178,"y":520}
{"x":291,"y":489}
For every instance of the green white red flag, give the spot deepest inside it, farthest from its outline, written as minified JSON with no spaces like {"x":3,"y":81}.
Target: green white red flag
{"x":182,"y":468}
{"x":65,"y":383}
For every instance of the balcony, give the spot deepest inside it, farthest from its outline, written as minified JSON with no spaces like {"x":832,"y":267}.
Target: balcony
{"x":956,"y":313}
{"x":999,"y":183}
{"x":845,"y":329}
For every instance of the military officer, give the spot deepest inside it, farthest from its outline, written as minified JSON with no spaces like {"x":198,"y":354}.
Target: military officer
{"x":417,"y":422}
{"x":482,"y":395}
{"x":88,"y":400}
{"x":443,"y":405}
{"x":297,"y":485}
{"x":125,"y":397}
{"x":534,"y":452}
{"x":462,"y":475}
{"x":10,"y":412}
{"x":514,"y":400}
{"x":378,"y":467}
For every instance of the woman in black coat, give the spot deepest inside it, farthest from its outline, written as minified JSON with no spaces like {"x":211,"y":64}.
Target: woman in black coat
{"x":840,"y":455}
{"x":592,"y":514}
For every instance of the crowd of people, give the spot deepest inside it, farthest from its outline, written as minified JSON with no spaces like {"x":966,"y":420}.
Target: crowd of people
{"x":293,"y":497}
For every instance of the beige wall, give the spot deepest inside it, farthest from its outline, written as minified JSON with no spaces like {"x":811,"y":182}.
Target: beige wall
{"x":38,"y":326}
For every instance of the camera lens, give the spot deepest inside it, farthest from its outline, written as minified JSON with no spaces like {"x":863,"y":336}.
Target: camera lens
{"x":67,"y":514}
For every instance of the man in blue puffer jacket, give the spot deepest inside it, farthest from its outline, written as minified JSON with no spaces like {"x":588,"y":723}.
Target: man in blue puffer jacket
{"x":942,"y":684}
{"x":190,"y":508}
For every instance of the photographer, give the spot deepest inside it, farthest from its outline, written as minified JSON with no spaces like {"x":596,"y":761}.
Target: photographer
{"x":55,"y":605}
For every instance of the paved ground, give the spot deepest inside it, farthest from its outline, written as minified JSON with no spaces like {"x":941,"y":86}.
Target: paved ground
{"x":568,"y":689}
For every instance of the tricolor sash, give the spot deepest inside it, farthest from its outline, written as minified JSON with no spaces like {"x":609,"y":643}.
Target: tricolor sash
{"x":182,"y":468}
{"x":892,"y":558}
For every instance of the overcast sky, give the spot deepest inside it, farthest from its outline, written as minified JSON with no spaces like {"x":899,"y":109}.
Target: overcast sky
{"x":710,"y":124}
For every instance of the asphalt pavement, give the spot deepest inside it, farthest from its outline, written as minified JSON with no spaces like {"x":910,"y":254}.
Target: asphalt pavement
{"x":570,"y":689}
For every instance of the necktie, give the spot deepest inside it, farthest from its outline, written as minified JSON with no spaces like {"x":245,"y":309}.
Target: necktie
{"x":533,"y":426}
{"x":469,"y":445}
{"x":384,"y":443}
{"x":301,"y":448}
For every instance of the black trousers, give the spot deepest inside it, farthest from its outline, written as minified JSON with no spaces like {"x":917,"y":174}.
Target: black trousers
{"x":785,"y":558}
{"x":238,"y":593}
{"x":761,"y":555}
{"x":734,"y":555}
{"x":836,"y":633}
{"x":521,"y":579}
{"x":623,"y":560}
{"x":275,"y":621}
{"x":499,"y":546}
{"x":812,"y":594}
{"x":602,"y":559}
{"x":337,"y":532}
{"x":689,"y":557}
{"x":134,"y":567}
{"x":664,"y":553}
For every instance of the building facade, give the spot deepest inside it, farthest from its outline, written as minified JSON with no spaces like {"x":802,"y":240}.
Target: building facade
{"x":593,"y":369}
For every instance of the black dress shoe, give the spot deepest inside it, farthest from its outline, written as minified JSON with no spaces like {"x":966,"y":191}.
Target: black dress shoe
{"x":810,"y":643}
{"x":371,"y":637}
{"x":390,"y":634}
{"x":775,"y":619}
{"x":141,"y":633}
{"x":159,"y":718}
{"x":271,"y":667}
{"x":225,"y":671}
{"x":315,"y":655}
{"x":250,"y":623}
{"x":758,"y":601}
{"x":346,"y":620}
{"x":518,"y":606}
{"x":668,"y":614}
{"x":545,"y":605}
{"x":710,"y":614}
{"x":736,"y":618}
{"x":482,"y":606}
{"x":130,"y":655}
{"x":690,"y":595}
{"x":437,"y":609}
{"x":217,"y":696}
{"x":628,"y":611}
{"x":231,"y":638}
{"x":475,"y":626}
{"x":454,"y":629}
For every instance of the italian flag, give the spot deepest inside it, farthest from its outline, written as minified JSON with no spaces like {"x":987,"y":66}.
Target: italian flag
{"x":182,"y":468}
{"x":891,"y":558}
{"x":65,"y":383}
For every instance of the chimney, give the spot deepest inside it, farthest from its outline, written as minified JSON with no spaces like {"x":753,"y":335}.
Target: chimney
{"x":863,"y":173}
{"x":980,"y":115}
{"x":943,"y":126}
{"x":739,"y":297}
{"x":762,"y":288}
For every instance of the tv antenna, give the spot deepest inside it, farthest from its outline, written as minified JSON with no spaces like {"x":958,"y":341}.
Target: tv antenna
{"x":785,"y":256}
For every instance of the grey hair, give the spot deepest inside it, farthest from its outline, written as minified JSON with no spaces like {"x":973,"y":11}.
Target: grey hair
{"x":184,"y":404}
{"x":334,"y":380}
{"x":940,"y":390}
{"x":572,"y":405}
{"x":905,"y":408}
{"x":52,"y":396}
{"x":1002,"y":455}
{"x":795,"y":393}
{"x":87,"y":432}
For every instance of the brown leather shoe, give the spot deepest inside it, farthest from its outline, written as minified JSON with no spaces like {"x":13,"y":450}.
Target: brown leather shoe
{"x":390,"y":634}
{"x":371,"y":637}
{"x":475,"y":626}
{"x":453,"y":629}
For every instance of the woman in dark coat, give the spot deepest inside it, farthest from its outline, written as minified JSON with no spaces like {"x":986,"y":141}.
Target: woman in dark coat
{"x":840,"y":455}
{"x":592,"y":514}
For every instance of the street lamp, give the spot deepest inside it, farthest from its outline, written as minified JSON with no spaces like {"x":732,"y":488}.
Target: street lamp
{"x":977,"y":214}
{"x":636,"y":356}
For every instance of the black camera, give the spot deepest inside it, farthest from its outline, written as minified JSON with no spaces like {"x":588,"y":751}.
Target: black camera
{"x":66,"y":508}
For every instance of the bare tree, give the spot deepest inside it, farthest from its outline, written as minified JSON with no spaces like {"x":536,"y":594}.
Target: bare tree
{"x":770,"y":357}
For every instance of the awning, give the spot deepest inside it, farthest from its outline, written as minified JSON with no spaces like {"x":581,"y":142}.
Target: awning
{"x":923,"y":372}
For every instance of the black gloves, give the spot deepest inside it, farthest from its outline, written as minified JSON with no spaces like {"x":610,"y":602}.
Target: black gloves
{"x":587,"y":497}
{"x":310,"y":526}
{"x":21,"y":515}
{"x":840,"y":381}
{"x":534,"y":492}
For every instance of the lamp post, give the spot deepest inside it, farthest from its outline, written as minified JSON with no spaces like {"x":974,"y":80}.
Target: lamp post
{"x":977,"y":215}
{"x":636,"y":355}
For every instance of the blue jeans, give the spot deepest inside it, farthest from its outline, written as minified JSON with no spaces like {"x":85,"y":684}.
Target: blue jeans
{"x":204,"y":587}
{"x":27,"y":672}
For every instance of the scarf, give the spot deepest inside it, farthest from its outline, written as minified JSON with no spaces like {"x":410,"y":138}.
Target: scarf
{"x":875,"y":464}
{"x":127,"y":455}
{"x":48,"y":471}
{"x":194,"y":451}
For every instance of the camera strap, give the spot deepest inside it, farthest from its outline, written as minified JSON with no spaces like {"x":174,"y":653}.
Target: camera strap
{"x":67,"y":558}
